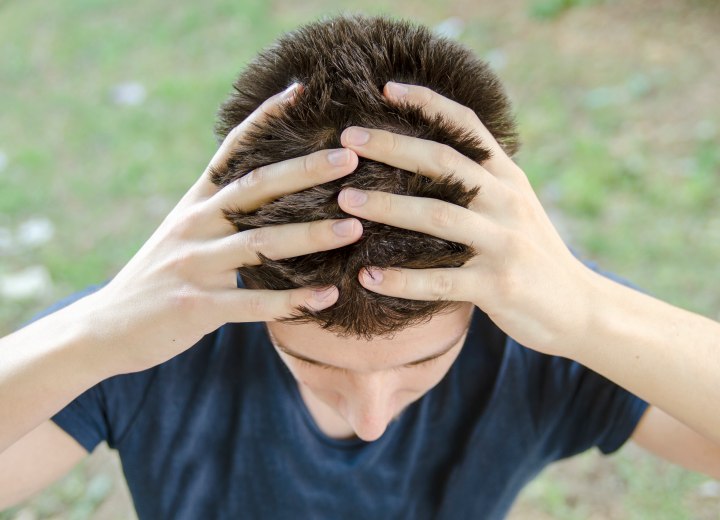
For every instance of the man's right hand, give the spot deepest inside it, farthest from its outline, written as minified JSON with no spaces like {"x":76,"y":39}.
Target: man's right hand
{"x":180,"y":286}
{"x":182,"y":283}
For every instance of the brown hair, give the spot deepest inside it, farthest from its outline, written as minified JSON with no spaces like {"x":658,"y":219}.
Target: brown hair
{"x":343,"y":64}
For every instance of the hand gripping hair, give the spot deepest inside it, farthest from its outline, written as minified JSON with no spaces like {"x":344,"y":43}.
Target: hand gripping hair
{"x":343,"y":64}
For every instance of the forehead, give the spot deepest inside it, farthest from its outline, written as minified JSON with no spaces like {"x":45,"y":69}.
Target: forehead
{"x":406,"y":346}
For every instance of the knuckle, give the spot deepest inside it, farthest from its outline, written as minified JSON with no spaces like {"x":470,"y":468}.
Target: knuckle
{"x":236,"y":129}
{"x":187,"y":299}
{"x":187,"y":259}
{"x":425,"y":96}
{"x":441,"y":285}
{"x":385,"y":203}
{"x":269,"y":106}
{"x":441,"y":215}
{"x":309,"y":164}
{"x":446,"y":158}
{"x":469,"y":117}
{"x":403,"y":281}
{"x":251,"y":179}
{"x":395,"y":278}
{"x":187,"y":223}
{"x":316,"y":233}
{"x":234,"y":134}
{"x":256,"y":240}
{"x":229,"y":192}
{"x":517,"y":204}
{"x":291,"y":301}
{"x":256,"y":305}
{"x":181,"y":262}
{"x":392,"y":142}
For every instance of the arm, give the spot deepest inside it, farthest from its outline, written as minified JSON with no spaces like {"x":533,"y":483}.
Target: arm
{"x":666,"y":355}
{"x":44,"y":366}
{"x":180,"y":286}
{"x":666,"y":437}
{"x":36,"y":461}
{"x":526,"y":279}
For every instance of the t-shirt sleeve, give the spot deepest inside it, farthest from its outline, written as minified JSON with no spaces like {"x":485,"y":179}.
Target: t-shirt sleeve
{"x":84,"y":419}
{"x":577,"y":409}
{"x":103,"y":412}
{"x":106,"y":411}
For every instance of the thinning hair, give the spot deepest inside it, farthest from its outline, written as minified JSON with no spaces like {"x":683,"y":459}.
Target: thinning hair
{"x":343,"y":64}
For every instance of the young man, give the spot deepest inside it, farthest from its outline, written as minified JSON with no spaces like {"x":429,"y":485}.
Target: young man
{"x":390,"y":389}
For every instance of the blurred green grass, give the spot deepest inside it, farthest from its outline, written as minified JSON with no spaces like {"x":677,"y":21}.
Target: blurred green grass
{"x":616,"y":112}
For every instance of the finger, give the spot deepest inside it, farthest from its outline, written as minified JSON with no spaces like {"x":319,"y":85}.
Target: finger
{"x":434,"y":104}
{"x":278,"y":242}
{"x":430,"y":216}
{"x":267,"y":183}
{"x":451,"y":284}
{"x":247,"y":305}
{"x":204,"y":187}
{"x":431,"y":159}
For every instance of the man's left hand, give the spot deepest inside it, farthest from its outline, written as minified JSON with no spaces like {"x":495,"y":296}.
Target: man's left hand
{"x":523,"y":276}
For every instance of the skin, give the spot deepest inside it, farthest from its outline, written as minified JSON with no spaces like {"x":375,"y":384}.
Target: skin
{"x":532,"y":287}
{"x":355,"y":387}
{"x":181,"y":286}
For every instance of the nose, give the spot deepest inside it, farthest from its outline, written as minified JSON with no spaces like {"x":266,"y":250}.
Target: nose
{"x":370,"y":409}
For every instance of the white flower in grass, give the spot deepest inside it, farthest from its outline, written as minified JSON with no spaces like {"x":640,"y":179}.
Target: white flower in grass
{"x":35,"y":232}
{"x":130,"y":93}
{"x":32,"y":282}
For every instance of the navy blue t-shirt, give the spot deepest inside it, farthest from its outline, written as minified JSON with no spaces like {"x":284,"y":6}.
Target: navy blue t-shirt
{"x":221,"y":431}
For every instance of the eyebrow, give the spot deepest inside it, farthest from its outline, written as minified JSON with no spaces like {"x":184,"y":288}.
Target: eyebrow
{"x":444,"y":350}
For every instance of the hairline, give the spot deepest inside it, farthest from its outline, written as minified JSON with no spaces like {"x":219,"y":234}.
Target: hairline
{"x":441,"y":352}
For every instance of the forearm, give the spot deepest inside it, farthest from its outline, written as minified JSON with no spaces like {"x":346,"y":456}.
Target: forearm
{"x":46,"y":365}
{"x":668,"y":356}
{"x":179,"y":287}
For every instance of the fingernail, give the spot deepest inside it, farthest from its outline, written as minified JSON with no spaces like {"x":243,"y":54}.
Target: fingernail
{"x":355,"y":198}
{"x":373,"y":276}
{"x":289,"y":92}
{"x":396,"y":90}
{"x":356,"y":136}
{"x":343,"y":228}
{"x":323,"y":297}
{"x":338,"y":157}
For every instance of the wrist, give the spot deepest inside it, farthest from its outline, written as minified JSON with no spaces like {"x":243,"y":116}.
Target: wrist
{"x":609,"y":310}
{"x":585,"y":313}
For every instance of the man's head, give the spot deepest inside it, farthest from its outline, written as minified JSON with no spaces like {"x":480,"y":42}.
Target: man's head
{"x":343,"y":64}
{"x":361,"y":361}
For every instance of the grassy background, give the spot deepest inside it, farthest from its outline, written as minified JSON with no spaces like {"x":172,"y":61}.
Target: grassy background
{"x":618,"y":110}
